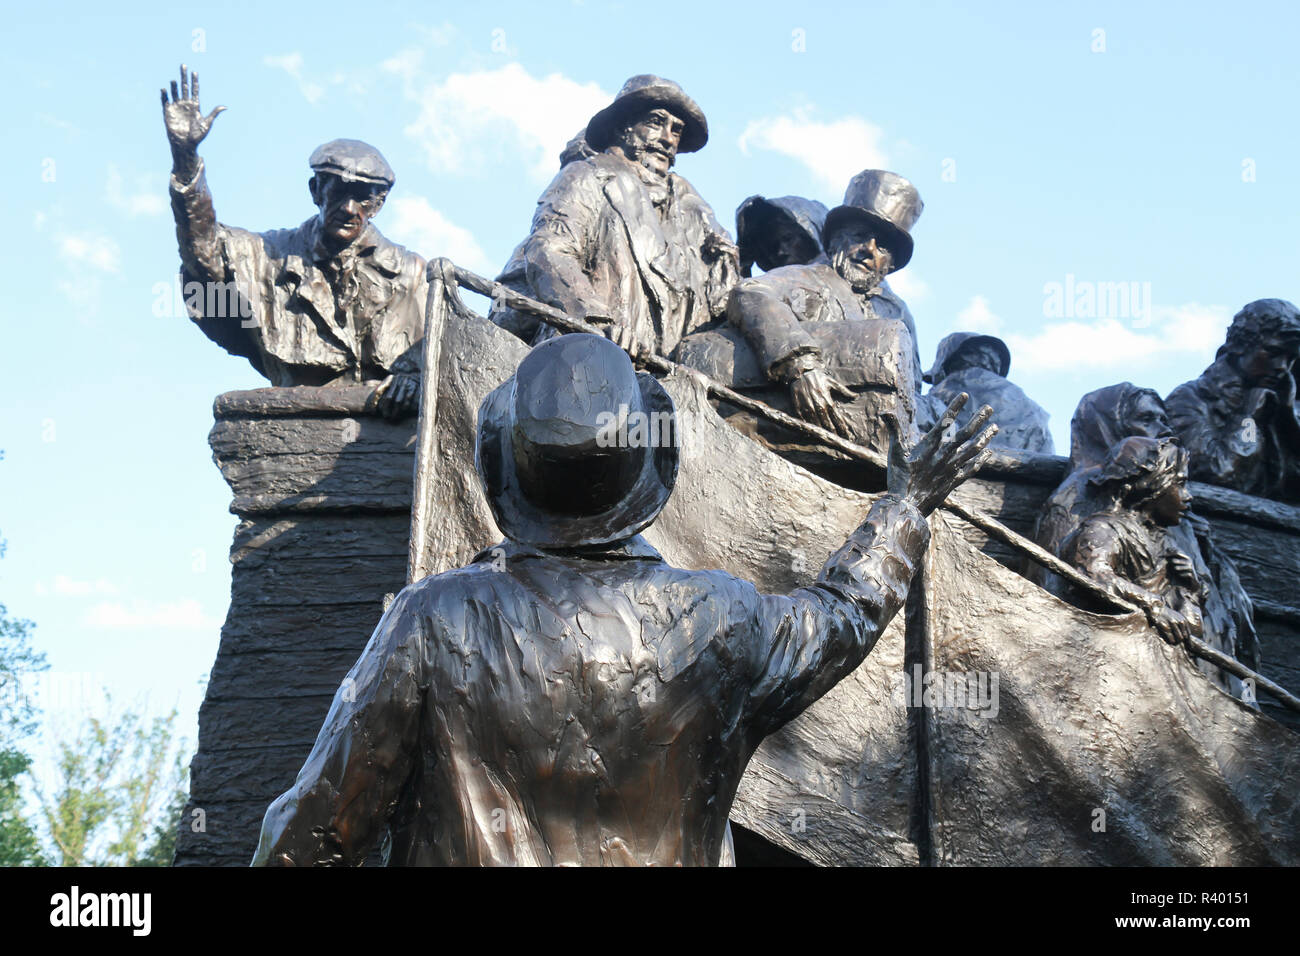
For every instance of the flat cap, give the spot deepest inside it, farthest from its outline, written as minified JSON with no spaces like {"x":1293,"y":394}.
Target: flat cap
{"x":352,"y":160}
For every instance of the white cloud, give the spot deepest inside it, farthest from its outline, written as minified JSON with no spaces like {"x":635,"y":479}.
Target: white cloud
{"x":68,"y":587}
{"x":417,"y":225}
{"x":833,"y":151}
{"x":977,"y":316}
{"x":145,"y":200}
{"x":183,"y":615}
{"x":908,"y":286}
{"x":1190,"y":328}
{"x":292,"y":63}
{"x":97,"y":251}
{"x":465,"y":117}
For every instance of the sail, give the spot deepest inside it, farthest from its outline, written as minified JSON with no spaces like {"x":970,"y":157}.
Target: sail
{"x":1054,"y":735}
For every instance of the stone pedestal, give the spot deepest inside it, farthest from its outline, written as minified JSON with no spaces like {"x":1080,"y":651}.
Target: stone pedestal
{"x":323,"y":493}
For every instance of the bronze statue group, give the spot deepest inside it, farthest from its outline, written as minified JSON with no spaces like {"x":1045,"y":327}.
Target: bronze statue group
{"x":577,"y":700}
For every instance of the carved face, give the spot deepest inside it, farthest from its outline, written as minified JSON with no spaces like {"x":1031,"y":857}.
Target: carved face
{"x":858,"y":257}
{"x":981,"y":355}
{"x":1269,"y":363}
{"x":1173,"y":503}
{"x":1148,"y":419}
{"x":786,"y":245}
{"x":345,"y":207}
{"x":652,"y":140}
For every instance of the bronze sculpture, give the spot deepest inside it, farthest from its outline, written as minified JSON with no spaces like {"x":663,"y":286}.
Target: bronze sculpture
{"x":786,"y":231}
{"x":978,"y":364}
{"x":570,"y":698}
{"x":828,"y":341}
{"x":330,"y":302}
{"x":1131,"y":547}
{"x":1238,"y":420}
{"x":618,"y":238}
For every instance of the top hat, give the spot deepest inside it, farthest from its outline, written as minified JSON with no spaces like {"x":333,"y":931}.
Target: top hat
{"x":645,"y":92}
{"x":564,"y":451}
{"x":888,"y":203}
{"x":754,"y":218}
{"x":954,"y":343}
{"x":353,"y":161}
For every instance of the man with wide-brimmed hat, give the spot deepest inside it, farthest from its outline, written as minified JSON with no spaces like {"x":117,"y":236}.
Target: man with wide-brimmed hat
{"x":330,"y":302}
{"x":785,"y":231}
{"x":829,"y":340}
{"x":570,"y":698}
{"x":1238,"y":420}
{"x":621,"y":240}
{"x":977,"y":364}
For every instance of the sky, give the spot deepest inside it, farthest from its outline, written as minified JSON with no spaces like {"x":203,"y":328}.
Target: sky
{"x":1062,"y":150}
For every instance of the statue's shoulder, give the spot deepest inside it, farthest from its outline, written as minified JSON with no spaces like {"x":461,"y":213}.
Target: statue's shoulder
{"x":397,"y":259}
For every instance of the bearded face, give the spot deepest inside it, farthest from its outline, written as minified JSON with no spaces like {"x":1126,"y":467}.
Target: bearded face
{"x":859,"y":258}
{"x":652,"y":141}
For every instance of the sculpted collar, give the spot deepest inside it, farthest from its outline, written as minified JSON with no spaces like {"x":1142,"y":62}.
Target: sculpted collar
{"x":635,"y":548}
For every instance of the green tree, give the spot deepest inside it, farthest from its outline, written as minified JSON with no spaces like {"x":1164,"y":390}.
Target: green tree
{"x":120,"y":790}
{"x":19,"y":845}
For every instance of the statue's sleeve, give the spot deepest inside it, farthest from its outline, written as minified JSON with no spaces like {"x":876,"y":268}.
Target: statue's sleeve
{"x":197,"y":232}
{"x":363,"y":757}
{"x":1214,"y":458}
{"x":225,"y":271}
{"x":811,"y":639}
{"x":1097,"y":549}
{"x":758,"y":308}
{"x":559,"y":246}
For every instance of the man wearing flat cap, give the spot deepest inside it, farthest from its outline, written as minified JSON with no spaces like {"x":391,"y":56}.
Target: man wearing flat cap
{"x":978,"y":365}
{"x":330,"y":302}
{"x":570,"y":698}
{"x":621,"y":240}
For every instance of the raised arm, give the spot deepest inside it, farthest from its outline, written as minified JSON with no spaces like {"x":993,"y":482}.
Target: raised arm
{"x":196,"y":220}
{"x":363,"y":757}
{"x":813,"y":638}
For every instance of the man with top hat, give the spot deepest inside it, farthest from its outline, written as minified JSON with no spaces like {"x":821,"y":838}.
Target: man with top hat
{"x":1238,"y":420}
{"x":621,"y":240}
{"x":977,"y":365}
{"x":829,"y":340}
{"x":785,"y":231}
{"x":570,"y":698}
{"x":330,"y":302}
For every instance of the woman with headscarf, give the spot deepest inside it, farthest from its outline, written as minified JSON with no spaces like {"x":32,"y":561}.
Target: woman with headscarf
{"x":1137,"y":547}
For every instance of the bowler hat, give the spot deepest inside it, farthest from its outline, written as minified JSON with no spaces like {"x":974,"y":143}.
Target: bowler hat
{"x":888,"y":203}
{"x":646,"y":92}
{"x":577,"y":448}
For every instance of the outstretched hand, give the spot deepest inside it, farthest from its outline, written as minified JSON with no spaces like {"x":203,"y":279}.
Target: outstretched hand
{"x":186,"y":124}
{"x":928,"y":472}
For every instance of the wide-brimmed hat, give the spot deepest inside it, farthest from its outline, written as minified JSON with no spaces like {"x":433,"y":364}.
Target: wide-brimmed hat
{"x":885,"y":201}
{"x":757,"y":214}
{"x":646,"y":92}
{"x":353,"y":161}
{"x":954,"y":343}
{"x":576,"y":449}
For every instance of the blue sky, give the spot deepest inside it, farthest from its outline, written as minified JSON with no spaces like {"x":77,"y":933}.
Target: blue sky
{"x":1133,"y":143}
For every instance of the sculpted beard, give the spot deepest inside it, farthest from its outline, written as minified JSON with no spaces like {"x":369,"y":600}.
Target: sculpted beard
{"x":861,"y":276}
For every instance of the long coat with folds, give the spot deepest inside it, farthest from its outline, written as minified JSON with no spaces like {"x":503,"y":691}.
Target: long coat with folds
{"x":599,"y":245}
{"x":550,"y":708}
{"x":298,"y":314}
